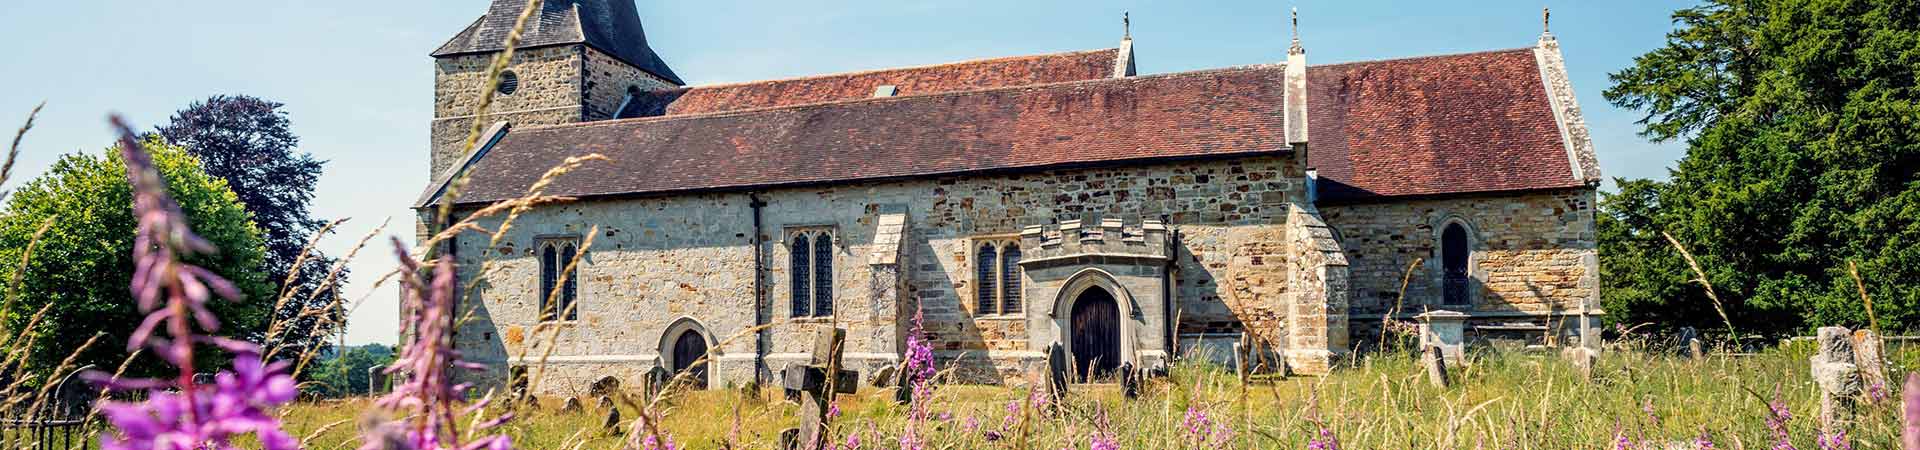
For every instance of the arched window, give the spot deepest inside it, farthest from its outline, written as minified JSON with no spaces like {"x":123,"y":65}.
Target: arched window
{"x":557,"y":287}
{"x":1010,"y":278}
{"x":985,"y":264}
{"x":1454,"y":256}
{"x":823,"y":274}
{"x":996,"y":274}
{"x":802,"y":250}
{"x":811,"y":264}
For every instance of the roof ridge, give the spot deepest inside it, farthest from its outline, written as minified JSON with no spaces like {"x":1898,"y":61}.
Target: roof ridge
{"x":1412,"y":58}
{"x":736,"y":112}
{"x":889,"y":69}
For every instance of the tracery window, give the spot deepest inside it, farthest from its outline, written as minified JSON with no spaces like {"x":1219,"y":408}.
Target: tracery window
{"x":996,"y":264}
{"x":555,"y":255}
{"x":811,"y":269}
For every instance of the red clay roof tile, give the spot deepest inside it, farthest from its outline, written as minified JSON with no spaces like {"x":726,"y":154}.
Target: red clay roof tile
{"x":1195,"y":114}
{"x":950,"y":77}
{"x":1474,"y":122}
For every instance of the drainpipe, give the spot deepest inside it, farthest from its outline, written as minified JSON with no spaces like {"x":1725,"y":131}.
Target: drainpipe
{"x":759,"y":290}
{"x":1169,"y":290}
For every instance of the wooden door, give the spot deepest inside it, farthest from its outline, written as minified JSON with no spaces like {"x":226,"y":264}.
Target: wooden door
{"x":1096,"y":334}
{"x":688,"y":348}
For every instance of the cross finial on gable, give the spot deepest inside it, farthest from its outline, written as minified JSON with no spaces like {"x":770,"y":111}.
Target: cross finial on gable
{"x":1295,"y":48}
{"x":1544,"y":15}
{"x":1126,"y":25}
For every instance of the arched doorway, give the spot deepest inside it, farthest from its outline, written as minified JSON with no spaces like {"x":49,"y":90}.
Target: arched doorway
{"x":687,"y":349}
{"x":1095,"y":328}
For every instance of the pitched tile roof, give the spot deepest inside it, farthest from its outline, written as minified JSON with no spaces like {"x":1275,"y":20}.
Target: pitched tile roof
{"x":950,"y":77}
{"x":1194,"y":114}
{"x":1474,"y":122}
{"x":613,"y":26}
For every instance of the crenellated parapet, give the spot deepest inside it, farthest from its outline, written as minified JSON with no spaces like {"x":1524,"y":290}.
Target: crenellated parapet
{"x":1108,"y":239}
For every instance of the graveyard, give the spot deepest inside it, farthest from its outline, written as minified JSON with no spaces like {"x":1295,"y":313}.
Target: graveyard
{"x":1641,"y":392}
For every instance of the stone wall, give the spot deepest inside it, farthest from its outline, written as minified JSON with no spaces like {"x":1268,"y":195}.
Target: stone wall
{"x":1533,"y":254}
{"x":549,"y":93}
{"x":606,"y":81}
{"x":656,"y":260}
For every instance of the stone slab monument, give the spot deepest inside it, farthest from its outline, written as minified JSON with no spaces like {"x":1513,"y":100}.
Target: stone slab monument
{"x":1447,"y":330}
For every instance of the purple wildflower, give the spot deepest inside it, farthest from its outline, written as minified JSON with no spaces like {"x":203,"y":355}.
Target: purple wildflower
{"x":833,"y":410}
{"x":1325,"y":441}
{"x":653,"y":442}
{"x":1102,"y":441}
{"x":1910,"y":409}
{"x":919,"y":367}
{"x":971,"y":424}
{"x":1197,"y":422}
{"x":427,"y":361}
{"x":1835,"y":441}
{"x":180,"y":414}
{"x":853,"y":442}
{"x":1777,"y":417}
{"x":1704,"y":441}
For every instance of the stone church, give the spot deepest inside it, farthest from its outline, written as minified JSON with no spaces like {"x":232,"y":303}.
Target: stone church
{"x":1010,"y":203}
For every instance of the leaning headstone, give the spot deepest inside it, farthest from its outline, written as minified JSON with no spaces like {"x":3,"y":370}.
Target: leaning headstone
{"x":572,"y":405}
{"x":1869,"y":357}
{"x":1696,"y":349}
{"x":813,"y":420}
{"x":606,"y":402}
{"x":883,"y":377}
{"x":605,"y":386}
{"x":1059,"y":372}
{"x":903,"y":382}
{"x":611,"y":424}
{"x":1129,"y":381}
{"x":656,"y":380}
{"x":1435,"y":360}
{"x":1837,"y":376}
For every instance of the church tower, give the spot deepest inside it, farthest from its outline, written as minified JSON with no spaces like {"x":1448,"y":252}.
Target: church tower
{"x":577,"y":61}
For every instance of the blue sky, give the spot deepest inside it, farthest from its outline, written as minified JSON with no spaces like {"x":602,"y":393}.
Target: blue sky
{"x":357,"y":80}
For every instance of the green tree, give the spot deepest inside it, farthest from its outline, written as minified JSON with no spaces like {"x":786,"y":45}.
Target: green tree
{"x":345,"y":373}
{"x":82,"y":264}
{"x":249,"y":143}
{"x":1802,"y":124}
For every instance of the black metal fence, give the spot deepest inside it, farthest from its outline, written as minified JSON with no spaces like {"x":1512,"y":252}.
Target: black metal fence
{"x":58,"y":421}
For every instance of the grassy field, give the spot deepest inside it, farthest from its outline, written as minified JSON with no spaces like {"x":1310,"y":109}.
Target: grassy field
{"x":1511,"y":400}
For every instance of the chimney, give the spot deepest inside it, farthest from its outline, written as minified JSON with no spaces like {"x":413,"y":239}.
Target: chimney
{"x":1296,"y":93}
{"x":1123,"y":64}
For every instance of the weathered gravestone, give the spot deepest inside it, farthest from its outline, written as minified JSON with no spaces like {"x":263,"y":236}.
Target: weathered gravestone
{"x":1837,"y":376}
{"x":611,"y":424}
{"x":1585,"y":360}
{"x":605,"y":403}
{"x":657,"y":379}
{"x":1435,"y":360}
{"x":376,"y":379}
{"x":1690,"y":341}
{"x":605,"y":386}
{"x":813,"y":385}
{"x":571,"y":405}
{"x":1868,"y":355}
{"x":883,"y":377}
{"x":1129,"y":381}
{"x":1059,"y":372}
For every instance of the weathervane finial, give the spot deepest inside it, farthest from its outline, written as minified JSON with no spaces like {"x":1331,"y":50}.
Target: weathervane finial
{"x":1544,"y":15}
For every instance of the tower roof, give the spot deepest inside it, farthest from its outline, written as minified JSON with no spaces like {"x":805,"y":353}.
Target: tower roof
{"x":612,"y":26}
